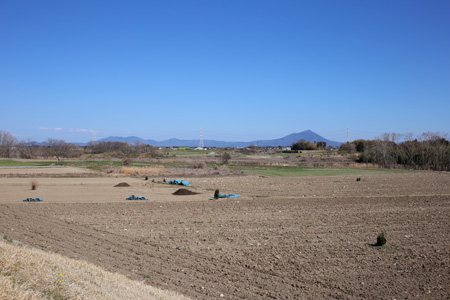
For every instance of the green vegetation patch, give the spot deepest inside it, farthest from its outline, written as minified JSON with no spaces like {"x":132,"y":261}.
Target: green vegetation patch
{"x":298,"y":171}
{"x":96,"y":165}
{"x":186,"y":153}
{"x":99,"y":165}
{"x":31,"y":163}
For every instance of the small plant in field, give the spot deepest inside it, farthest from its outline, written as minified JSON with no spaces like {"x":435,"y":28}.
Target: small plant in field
{"x":381,"y":240}
{"x":55,"y":292}
{"x":34,"y":185}
{"x":9,"y":240}
{"x":198,"y":165}
{"x":126,"y":161}
{"x":216,"y":194}
{"x":225,"y":158}
{"x":147,"y":276}
{"x":358,"y":179}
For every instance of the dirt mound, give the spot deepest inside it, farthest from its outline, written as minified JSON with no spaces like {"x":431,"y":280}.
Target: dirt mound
{"x":122,"y":184}
{"x":184,"y":192}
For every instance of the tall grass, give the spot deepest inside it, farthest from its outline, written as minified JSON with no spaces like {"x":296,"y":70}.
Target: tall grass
{"x":141,"y":171}
{"x":33,"y":274}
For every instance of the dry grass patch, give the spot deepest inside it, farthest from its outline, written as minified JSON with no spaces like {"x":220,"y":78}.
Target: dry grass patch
{"x":141,"y":171}
{"x":27,"y":273}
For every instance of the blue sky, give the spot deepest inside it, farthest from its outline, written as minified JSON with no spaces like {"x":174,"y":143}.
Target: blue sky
{"x":242,"y":70}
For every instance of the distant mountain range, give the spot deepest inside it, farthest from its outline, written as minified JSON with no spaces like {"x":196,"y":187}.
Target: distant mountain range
{"x":288,"y":140}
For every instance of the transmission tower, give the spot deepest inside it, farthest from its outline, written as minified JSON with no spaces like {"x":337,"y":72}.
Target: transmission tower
{"x":201,"y":138}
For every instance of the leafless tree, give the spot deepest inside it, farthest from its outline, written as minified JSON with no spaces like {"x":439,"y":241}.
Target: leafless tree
{"x":28,"y":149}
{"x":58,"y":149}
{"x":7,"y":143}
{"x":430,"y":151}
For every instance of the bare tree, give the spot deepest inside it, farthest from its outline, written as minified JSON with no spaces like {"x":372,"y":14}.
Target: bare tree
{"x":7,"y":143}
{"x":28,"y":149}
{"x":58,"y":149}
{"x":430,"y":151}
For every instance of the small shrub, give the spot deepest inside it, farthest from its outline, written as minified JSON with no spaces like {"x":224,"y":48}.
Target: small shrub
{"x":126,"y":161}
{"x":198,"y":165}
{"x":381,"y":240}
{"x":34,"y":185}
{"x":225,"y":157}
{"x":358,"y":179}
{"x":216,"y":194}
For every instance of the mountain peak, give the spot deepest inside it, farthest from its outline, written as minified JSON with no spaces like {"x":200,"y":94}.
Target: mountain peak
{"x":288,"y":140}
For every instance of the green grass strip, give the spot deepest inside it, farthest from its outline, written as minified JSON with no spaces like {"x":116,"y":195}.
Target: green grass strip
{"x":14,"y":163}
{"x":293,"y":171}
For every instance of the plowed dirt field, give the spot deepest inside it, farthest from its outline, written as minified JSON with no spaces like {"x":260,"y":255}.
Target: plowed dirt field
{"x":286,"y":238}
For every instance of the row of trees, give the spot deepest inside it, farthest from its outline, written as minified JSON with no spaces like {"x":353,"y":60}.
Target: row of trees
{"x":307,"y":145}
{"x":10,"y":147}
{"x":122,"y":149}
{"x":429,"y":151}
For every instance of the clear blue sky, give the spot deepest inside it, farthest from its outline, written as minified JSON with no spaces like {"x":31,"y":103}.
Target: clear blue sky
{"x":240,"y":69}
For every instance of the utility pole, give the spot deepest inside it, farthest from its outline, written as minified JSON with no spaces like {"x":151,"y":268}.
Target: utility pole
{"x":347,"y":135}
{"x":201,"y":145}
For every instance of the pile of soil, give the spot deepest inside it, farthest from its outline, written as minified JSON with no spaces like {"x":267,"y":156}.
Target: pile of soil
{"x":184,"y":192}
{"x":122,"y":184}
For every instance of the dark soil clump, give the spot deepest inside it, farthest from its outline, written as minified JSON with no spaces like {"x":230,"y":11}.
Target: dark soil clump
{"x":122,"y":184}
{"x":184,"y":192}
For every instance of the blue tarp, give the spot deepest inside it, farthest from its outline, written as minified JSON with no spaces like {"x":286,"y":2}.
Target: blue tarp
{"x":227,"y":196}
{"x":179,"y":182}
{"x":33,"y":200}
{"x":133,"y":197}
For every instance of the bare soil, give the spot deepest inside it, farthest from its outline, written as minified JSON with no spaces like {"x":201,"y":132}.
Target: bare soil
{"x":286,"y":238}
{"x":184,"y":192}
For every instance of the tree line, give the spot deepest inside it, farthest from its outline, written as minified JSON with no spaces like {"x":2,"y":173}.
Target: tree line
{"x":429,"y":151}
{"x":10,"y":147}
{"x":307,"y":145}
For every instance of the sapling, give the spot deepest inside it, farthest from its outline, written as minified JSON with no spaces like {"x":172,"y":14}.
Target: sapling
{"x":381,"y":240}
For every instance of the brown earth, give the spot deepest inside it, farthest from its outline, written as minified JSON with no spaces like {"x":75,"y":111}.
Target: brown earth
{"x":184,"y":192}
{"x":122,"y":184}
{"x":286,"y":238}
